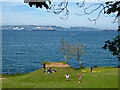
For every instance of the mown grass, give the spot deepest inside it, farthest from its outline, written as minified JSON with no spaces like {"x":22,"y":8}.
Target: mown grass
{"x":102,"y":77}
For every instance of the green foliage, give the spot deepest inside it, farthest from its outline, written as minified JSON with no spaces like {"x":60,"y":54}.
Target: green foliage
{"x":113,"y":46}
{"x":112,"y":7}
{"x":40,"y":4}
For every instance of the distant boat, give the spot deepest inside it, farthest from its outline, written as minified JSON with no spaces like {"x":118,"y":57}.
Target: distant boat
{"x":17,"y":28}
{"x":43,"y":29}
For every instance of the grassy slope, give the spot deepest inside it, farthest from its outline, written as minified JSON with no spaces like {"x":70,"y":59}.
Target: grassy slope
{"x":102,"y":77}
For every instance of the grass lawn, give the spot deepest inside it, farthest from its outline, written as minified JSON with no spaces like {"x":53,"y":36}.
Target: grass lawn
{"x":102,"y":77}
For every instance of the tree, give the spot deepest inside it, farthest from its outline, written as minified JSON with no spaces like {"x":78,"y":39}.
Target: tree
{"x":78,"y":50}
{"x":72,"y":50}
{"x":113,"y":7}
{"x":113,"y":46}
{"x":65,"y":48}
{"x":38,"y":3}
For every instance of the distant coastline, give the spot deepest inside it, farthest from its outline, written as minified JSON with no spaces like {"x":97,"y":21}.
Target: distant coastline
{"x":46,"y":27}
{"x":109,"y":30}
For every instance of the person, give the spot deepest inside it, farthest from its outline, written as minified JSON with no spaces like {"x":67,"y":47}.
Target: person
{"x":67,"y":77}
{"x":54,"y":70}
{"x":91,"y":69}
{"x":79,"y":77}
{"x":44,"y":67}
{"x":50,"y":70}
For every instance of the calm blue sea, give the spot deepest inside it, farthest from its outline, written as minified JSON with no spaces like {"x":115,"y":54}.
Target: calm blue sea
{"x":23,"y":51}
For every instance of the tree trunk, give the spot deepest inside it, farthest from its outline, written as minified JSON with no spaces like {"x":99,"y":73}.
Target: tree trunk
{"x":65,"y":58}
{"x":80,"y":62}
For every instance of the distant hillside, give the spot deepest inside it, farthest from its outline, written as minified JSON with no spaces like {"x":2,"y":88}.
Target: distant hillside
{"x":57,"y":28}
{"x":84,"y":29}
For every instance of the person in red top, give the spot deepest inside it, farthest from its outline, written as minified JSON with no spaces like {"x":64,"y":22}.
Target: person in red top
{"x":79,"y":77}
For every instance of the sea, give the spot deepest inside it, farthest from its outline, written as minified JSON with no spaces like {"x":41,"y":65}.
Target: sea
{"x":24,"y":50}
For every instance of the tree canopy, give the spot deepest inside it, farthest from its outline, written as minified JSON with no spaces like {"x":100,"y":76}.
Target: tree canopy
{"x":113,"y":46}
{"x":113,"y":7}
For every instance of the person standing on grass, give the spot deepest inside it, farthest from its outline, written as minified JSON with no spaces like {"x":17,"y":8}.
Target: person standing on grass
{"x":91,"y":69}
{"x":44,"y":67}
{"x":79,"y":77}
{"x":67,"y":77}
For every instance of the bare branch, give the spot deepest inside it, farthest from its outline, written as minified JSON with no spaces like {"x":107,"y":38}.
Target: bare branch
{"x":95,"y":19}
{"x":60,"y":8}
{"x":103,"y":9}
{"x":93,"y":9}
{"x":114,"y":21}
{"x":81,"y":5}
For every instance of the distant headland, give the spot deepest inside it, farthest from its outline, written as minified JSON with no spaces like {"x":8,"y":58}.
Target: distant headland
{"x":56,"y":28}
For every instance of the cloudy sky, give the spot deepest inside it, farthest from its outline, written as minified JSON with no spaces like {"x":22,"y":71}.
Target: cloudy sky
{"x":19,"y":13}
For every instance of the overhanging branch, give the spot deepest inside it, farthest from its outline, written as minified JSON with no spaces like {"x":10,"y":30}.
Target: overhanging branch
{"x":61,"y":8}
{"x":107,"y":8}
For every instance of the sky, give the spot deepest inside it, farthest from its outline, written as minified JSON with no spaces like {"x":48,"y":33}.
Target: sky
{"x":19,"y":13}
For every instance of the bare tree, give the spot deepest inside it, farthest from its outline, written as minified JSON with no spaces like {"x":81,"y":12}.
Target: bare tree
{"x":72,"y":50}
{"x":65,"y":48}
{"x":78,"y":50}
